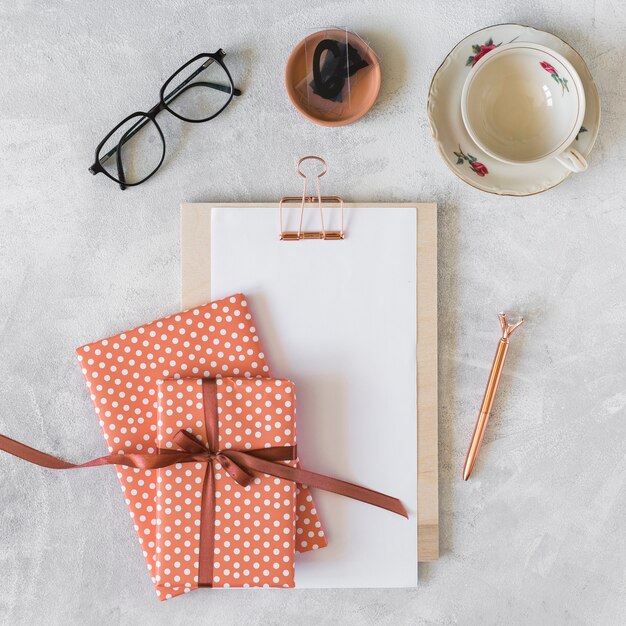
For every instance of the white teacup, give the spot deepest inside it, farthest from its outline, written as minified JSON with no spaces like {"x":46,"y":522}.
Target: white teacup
{"x":524,"y":103}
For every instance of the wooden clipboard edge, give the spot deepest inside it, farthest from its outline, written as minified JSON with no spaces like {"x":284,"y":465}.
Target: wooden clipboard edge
{"x":196,"y":270}
{"x":427,"y":391}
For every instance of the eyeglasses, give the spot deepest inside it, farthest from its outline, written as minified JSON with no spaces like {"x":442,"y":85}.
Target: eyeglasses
{"x":197,"y":92}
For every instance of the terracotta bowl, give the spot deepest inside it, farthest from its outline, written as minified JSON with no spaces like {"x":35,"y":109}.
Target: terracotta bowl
{"x":363,"y":93}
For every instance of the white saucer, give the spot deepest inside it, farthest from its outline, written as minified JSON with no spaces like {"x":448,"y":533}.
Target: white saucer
{"x":456,"y":147}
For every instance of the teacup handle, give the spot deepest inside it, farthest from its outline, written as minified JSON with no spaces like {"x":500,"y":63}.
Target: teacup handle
{"x":572,"y":160}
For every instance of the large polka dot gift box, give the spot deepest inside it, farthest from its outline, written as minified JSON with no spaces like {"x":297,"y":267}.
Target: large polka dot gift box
{"x":121,"y":372}
{"x":254,"y":526}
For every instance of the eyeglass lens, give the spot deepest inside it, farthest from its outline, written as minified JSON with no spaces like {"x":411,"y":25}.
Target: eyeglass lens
{"x":136,"y":149}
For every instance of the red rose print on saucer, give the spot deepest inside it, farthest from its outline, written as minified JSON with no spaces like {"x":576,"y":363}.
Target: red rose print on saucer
{"x":480,"y":50}
{"x":477,"y":167}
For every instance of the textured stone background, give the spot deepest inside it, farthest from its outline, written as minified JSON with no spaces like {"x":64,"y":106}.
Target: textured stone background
{"x":537,"y":536}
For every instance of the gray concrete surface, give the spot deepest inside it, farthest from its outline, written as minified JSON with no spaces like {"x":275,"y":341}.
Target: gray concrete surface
{"x":537,"y":537}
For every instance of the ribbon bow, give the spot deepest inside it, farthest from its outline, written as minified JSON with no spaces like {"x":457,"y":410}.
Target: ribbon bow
{"x":238,"y":464}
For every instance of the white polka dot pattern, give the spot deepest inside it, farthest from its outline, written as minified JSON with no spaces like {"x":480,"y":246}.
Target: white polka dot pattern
{"x":121,"y":372}
{"x":254,"y":525}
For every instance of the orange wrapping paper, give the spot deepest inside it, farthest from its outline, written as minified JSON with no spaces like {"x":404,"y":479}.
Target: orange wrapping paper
{"x":121,"y":372}
{"x":255,"y":528}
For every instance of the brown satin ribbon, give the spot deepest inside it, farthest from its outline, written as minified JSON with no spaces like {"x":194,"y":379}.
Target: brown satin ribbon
{"x":241,"y":465}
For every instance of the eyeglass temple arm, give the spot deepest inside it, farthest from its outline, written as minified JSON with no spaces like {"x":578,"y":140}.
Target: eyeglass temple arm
{"x":170,"y":97}
{"x":118,"y":161}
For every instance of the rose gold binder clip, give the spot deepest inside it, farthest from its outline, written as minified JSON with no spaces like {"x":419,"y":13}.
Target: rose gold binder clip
{"x":305,"y":200}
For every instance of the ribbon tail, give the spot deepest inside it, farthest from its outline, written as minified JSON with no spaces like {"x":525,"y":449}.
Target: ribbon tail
{"x":277,"y":453}
{"x":136,"y":460}
{"x":238,"y":473}
{"x":26,"y":453}
{"x":334,"y":485}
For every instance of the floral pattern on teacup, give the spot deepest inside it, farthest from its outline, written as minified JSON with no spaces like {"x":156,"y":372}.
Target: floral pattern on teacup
{"x":559,"y":79}
{"x":478,"y":168}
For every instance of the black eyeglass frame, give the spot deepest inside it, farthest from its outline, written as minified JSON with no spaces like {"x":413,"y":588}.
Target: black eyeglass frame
{"x":162,"y":105}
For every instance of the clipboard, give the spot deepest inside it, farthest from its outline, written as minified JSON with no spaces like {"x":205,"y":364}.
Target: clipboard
{"x":196,"y":219}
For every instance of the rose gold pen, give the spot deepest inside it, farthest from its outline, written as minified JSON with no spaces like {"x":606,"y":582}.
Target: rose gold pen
{"x":490,"y":392}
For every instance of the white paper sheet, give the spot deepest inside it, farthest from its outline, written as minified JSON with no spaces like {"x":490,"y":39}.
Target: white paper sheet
{"x":339,"y":319}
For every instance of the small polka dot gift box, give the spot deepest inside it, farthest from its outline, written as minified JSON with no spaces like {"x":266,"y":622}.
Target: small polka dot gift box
{"x":217,"y":339}
{"x":226,"y":489}
{"x":251,"y":527}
